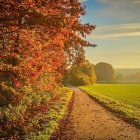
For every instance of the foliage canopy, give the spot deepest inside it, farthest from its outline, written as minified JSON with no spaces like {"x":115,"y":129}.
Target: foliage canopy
{"x":104,"y":72}
{"x":82,"y":74}
{"x":38,"y":39}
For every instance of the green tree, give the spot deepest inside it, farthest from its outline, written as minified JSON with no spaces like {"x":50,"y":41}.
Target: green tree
{"x":82,"y":74}
{"x":104,"y":72}
{"x":88,"y":69}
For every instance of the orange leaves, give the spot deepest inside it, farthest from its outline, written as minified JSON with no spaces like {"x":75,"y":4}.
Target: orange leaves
{"x":16,"y":83}
{"x":42,"y":36}
{"x":38,"y":39}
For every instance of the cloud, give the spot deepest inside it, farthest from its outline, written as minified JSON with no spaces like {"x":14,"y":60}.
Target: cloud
{"x":137,"y":1}
{"x":116,"y":31}
{"x":121,"y":9}
{"x":81,"y":1}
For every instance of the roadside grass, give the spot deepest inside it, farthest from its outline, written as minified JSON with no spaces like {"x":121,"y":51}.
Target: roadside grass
{"x":37,"y":116}
{"x":55,"y":114}
{"x":123,"y":99}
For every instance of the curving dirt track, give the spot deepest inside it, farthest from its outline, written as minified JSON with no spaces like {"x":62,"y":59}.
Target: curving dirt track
{"x":90,"y":121}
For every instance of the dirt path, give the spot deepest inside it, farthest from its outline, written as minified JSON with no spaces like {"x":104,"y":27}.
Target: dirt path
{"x":90,"y":121}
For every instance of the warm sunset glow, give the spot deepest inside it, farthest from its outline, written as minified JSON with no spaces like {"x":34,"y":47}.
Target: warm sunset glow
{"x":117,"y":33}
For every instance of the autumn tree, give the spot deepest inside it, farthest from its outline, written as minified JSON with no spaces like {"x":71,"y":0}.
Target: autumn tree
{"x":38,"y":40}
{"x":38,"y":37}
{"x":82,"y":74}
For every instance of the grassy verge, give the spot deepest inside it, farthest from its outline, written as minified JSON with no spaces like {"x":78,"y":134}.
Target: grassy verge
{"x":37,"y":116}
{"x":53,"y":116}
{"x":121,"y":107}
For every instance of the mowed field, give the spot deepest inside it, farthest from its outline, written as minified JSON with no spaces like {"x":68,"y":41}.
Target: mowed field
{"x":123,"y":99}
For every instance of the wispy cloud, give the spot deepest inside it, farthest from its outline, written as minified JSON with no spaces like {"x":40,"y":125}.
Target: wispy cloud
{"x":112,"y":39}
{"x":116,"y":31}
{"x":82,"y":1}
{"x":137,"y":1}
{"x":124,"y":9}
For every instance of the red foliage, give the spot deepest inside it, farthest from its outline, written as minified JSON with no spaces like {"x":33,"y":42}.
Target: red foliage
{"x":38,"y":40}
{"x":16,"y":83}
{"x":40,"y":37}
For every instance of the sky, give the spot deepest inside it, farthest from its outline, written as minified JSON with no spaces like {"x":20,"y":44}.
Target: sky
{"x":117,"y":32}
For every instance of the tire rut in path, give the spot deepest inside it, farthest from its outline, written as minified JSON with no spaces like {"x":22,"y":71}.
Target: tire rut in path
{"x":90,"y":121}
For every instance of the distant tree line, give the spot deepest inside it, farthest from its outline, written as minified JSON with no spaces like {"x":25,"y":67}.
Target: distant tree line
{"x":88,"y":74}
{"x":128,"y":75}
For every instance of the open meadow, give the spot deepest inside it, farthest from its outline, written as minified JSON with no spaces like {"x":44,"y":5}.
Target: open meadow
{"x":123,"y":99}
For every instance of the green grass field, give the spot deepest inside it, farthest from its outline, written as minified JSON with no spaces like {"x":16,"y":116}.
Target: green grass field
{"x":123,"y":99}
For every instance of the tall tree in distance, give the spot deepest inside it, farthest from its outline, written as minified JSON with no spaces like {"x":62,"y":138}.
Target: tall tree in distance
{"x":104,"y":72}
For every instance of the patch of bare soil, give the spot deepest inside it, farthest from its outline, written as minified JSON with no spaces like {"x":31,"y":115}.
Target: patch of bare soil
{"x":88,"y":120}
